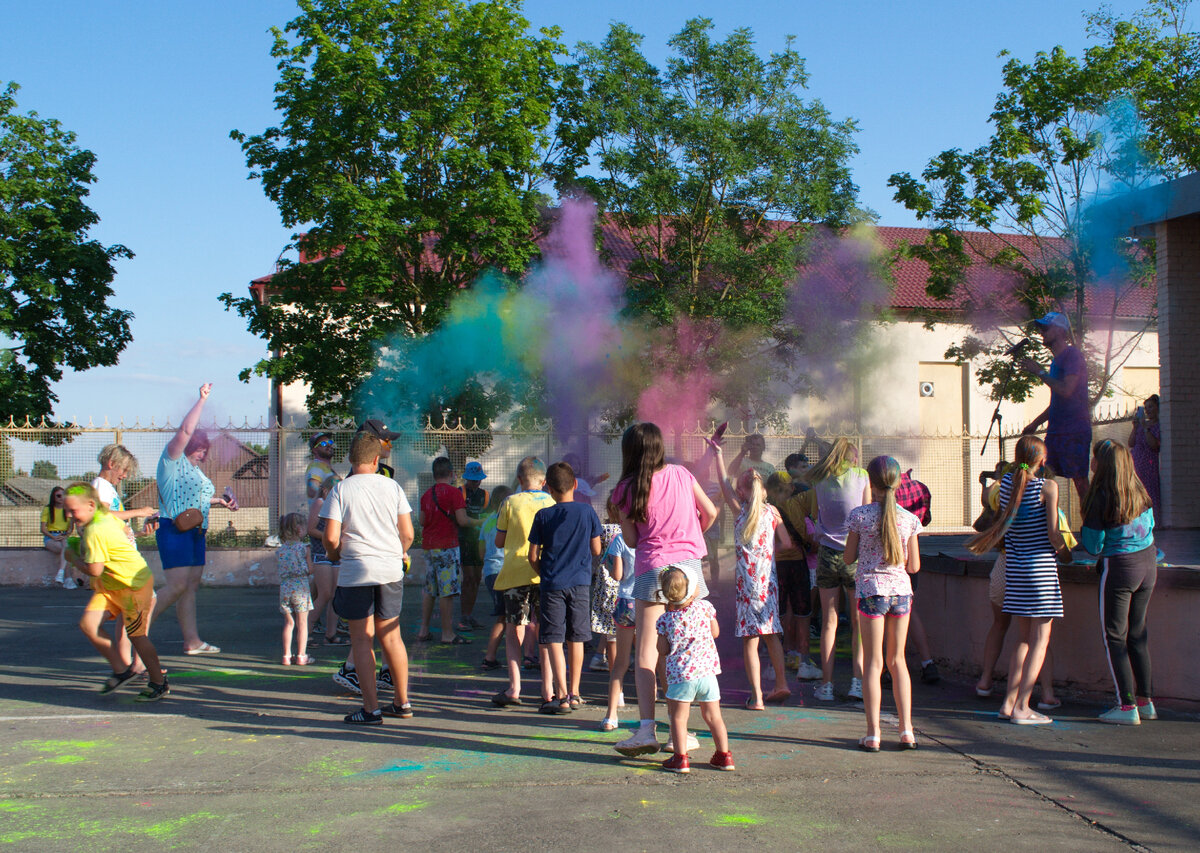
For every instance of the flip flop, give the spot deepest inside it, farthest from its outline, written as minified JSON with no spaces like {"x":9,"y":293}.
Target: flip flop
{"x":779,"y":696}
{"x":1034,"y":719}
{"x":1049,"y":706}
{"x":749,"y":706}
{"x":458,"y":640}
{"x":983,"y":694}
{"x":203,"y":649}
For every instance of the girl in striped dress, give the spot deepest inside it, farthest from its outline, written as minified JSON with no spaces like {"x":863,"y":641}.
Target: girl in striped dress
{"x":1028,"y":524}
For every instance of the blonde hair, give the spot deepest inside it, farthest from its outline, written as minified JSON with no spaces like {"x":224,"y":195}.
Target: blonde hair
{"x":674,"y":585}
{"x":1028,"y":458}
{"x":884,"y":474}
{"x":117,"y":457}
{"x":292,"y":527}
{"x":833,"y":463}
{"x":750,"y":484}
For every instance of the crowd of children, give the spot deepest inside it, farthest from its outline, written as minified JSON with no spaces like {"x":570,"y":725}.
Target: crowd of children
{"x":556,"y":578}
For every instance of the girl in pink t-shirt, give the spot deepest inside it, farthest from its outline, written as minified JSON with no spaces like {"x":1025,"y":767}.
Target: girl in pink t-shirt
{"x":664,"y":513}
{"x":882,"y":540}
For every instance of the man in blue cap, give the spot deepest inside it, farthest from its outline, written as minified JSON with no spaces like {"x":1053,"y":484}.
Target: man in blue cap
{"x":476,"y":498}
{"x":1069,"y":415}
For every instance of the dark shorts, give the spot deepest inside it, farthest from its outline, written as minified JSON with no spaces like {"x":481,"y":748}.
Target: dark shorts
{"x":794,"y":588}
{"x":497,"y":598}
{"x":1069,"y":454}
{"x":520,"y":604}
{"x":358,"y":602}
{"x":179,"y":548}
{"x":832,"y":571}
{"x":566,"y":615}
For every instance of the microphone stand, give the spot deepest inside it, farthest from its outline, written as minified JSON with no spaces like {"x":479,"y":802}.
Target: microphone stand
{"x":997,"y":418}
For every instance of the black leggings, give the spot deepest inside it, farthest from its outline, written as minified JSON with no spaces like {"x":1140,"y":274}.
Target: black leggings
{"x":1126,"y":584}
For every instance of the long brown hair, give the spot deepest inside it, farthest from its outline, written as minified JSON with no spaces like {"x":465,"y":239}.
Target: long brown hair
{"x":833,"y":462}
{"x":1030,"y":455}
{"x":1116,"y":492}
{"x":884,"y":473}
{"x":642,"y":453}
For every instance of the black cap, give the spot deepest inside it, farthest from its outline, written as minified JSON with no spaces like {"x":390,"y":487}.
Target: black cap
{"x":378,"y":429}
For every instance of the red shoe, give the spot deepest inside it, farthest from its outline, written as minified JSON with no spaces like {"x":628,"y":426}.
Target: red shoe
{"x":722,"y":760}
{"x":678,"y":764}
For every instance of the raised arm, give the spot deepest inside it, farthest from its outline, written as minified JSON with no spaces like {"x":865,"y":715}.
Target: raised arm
{"x":723,"y":479}
{"x":190,"y":421}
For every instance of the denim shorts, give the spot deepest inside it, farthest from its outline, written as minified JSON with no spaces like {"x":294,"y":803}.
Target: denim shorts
{"x":625,"y":614}
{"x":697,"y":690}
{"x":878,"y":606}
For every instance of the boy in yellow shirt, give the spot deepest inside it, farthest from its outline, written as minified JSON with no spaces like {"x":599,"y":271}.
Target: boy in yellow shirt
{"x":517,"y":580}
{"x":125,"y":590}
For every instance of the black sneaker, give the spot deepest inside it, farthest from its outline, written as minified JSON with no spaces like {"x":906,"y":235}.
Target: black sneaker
{"x":116,"y":680}
{"x":347,"y":678}
{"x":404,"y":711}
{"x":930,"y":674}
{"x":490,"y":664}
{"x":362,"y":718}
{"x":384,"y":679}
{"x":153,"y":692}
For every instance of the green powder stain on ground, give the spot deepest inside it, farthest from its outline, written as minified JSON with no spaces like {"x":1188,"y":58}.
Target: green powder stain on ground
{"x":736,"y":820}
{"x":61,"y":745}
{"x":56,"y":825}
{"x":67,"y":759}
{"x":404,"y":808}
{"x":331,"y":767}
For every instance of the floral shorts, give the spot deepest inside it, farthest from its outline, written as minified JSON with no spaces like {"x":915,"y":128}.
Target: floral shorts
{"x":625,"y":613}
{"x":295,"y":595}
{"x":444,"y":576}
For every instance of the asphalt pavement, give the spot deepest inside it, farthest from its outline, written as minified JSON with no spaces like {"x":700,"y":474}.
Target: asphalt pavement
{"x":247,"y":754}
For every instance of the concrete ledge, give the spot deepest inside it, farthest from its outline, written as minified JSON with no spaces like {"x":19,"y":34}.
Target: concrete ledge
{"x":223,"y":567}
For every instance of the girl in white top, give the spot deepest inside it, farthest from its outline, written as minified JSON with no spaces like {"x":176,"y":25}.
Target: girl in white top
{"x":882,"y":540}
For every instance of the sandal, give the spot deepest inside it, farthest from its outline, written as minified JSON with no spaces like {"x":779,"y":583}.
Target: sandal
{"x":203,"y":649}
{"x":1034,"y":719}
{"x":869,"y":743}
{"x":459,"y":640}
{"x":608,"y":724}
{"x":529,"y":662}
{"x":424,"y":638}
{"x":781,"y":695}
{"x":750,"y":706}
{"x":908,"y":744}
{"x":503,"y":700}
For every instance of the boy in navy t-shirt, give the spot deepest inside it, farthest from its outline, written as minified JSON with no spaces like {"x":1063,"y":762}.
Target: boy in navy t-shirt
{"x":562,"y":542}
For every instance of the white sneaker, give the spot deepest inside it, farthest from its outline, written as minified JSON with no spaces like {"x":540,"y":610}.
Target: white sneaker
{"x":69,"y":583}
{"x":58,"y":578}
{"x":824,"y":692}
{"x":855,"y":691}
{"x":598,"y":664}
{"x":808,"y":671}
{"x":692,"y":743}
{"x":642,"y":742}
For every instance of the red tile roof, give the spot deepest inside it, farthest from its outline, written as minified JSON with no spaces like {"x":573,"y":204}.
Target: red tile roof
{"x":985,"y":285}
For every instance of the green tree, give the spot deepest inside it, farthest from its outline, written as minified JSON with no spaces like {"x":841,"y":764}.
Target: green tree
{"x":44,"y":470}
{"x":55,"y":282}
{"x":413,"y":144}
{"x":699,"y":164}
{"x":1020,"y":203}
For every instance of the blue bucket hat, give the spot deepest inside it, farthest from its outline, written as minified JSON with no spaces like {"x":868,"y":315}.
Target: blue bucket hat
{"x":474,"y":471}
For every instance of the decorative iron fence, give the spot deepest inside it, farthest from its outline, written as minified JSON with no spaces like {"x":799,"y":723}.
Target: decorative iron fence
{"x":265,"y":465}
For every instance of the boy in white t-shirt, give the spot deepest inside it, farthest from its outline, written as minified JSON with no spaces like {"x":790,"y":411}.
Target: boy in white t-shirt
{"x":368,"y":527}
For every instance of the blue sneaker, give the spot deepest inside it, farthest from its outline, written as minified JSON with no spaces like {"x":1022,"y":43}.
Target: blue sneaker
{"x":1147,"y":711}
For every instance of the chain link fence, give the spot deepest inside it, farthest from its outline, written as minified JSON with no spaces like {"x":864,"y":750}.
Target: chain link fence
{"x":265,"y":465}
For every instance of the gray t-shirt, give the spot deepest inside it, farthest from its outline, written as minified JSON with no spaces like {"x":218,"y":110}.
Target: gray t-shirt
{"x":368,"y":505}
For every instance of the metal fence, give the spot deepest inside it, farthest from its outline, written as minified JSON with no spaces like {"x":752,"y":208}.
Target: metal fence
{"x":265,"y":465}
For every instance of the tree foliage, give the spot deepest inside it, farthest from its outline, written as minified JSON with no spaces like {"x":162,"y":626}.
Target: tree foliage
{"x":44,"y":469}
{"x":1067,"y":133}
{"x":413,"y":144}
{"x":698,"y":163}
{"x":55,"y":282}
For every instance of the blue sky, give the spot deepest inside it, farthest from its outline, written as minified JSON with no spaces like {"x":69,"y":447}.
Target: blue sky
{"x":153,"y":88}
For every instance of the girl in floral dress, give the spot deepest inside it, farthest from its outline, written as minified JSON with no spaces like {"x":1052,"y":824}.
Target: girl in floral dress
{"x":757,"y":526}
{"x":604,"y":597}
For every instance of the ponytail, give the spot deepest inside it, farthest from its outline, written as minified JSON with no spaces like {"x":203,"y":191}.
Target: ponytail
{"x":884,"y":474}
{"x":1029,"y":457}
{"x":750,"y":484}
